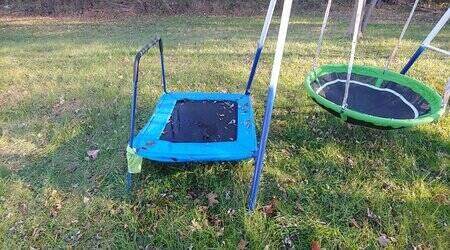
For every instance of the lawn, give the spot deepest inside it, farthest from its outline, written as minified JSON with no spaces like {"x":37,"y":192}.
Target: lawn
{"x":65,"y":89}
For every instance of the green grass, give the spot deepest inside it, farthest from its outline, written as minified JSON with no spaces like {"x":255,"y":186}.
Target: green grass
{"x":65,"y":89}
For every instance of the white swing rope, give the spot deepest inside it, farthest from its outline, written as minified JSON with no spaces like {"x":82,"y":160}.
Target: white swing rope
{"x":397,"y":46}
{"x":356,"y":29}
{"x":322,"y":32}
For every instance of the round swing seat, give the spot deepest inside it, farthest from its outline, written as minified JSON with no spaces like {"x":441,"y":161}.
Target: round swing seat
{"x":376,"y":98}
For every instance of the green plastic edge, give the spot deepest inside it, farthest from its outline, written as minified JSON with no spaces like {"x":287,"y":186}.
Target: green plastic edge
{"x":429,"y":94}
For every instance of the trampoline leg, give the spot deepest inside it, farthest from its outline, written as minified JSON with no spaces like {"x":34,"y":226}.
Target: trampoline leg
{"x":129,"y":181}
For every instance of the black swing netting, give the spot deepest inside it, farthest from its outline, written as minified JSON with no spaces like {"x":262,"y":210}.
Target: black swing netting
{"x":388,"y":100}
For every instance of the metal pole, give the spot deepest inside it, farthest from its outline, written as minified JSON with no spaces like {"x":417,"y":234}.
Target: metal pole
{"x":269,"y":104}
{"x":446,"y":98}
{"x":426,"y":43}
{"x":260,"y":46}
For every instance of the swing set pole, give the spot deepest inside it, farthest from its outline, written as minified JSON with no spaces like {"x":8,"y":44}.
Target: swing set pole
{"x":259,"y":161}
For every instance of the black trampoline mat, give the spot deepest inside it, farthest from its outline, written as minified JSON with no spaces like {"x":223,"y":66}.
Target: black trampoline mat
{"x":380,"y":102}
{"x":200,"y":121}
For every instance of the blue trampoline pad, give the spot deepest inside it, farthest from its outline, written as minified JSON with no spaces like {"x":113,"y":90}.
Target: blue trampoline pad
{"x":199,"y":127}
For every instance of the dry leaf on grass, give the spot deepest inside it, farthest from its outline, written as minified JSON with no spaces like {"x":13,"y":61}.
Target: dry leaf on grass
{"x":287,"y":242}
{"x":55,"y":209}
{"x":354,"y":223}
{"x":242,"y":244}
{"x":195,"y":225}
{"x":231,"y":212}
{"x":315,"y":245}
{"x":215,"y":221}
{"x":375,"y":218}
{"x":383,"y":240}
{"x":270,"y":210}
{"x":212,"y":199}
{"x":93,"y":154}
{"x":23,"y":208}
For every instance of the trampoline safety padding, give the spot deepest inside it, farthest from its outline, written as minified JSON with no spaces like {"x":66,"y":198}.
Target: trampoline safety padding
{"x":376,"y":98}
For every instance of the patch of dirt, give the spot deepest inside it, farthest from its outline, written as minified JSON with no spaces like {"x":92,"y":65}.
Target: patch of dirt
{"x":12,"y":96}
{"x":71,"y":107}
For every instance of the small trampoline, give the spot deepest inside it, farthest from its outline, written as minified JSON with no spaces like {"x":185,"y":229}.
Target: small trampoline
{"x":193,"y":126}
{"x":375,"y":97}
{"x":384,"y":100}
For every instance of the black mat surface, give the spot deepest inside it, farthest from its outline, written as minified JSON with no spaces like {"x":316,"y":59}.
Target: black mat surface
{"x":194,"y":121}
{"x":374,"y":101}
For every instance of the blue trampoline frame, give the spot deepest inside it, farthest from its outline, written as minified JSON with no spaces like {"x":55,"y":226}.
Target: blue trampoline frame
{"x":244,"y":147}
{"x":226,"y":150}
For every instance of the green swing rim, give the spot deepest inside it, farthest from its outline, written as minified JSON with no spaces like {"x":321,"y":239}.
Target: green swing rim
{"x":429,"y":94}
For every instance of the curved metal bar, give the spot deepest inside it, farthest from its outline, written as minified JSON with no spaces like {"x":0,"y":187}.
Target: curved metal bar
{"x":137,"y":60}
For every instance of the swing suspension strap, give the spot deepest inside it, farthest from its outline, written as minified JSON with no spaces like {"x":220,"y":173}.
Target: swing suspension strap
{"x":353,"y":50}
{"x":322,"y":32}
{"x":397,"y":46}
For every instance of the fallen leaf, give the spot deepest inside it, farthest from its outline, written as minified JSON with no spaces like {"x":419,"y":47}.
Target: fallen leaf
{"x":371,"y":215}
{"x":354,"y":223}
{"x":421,"y":247}
{"x":55,"y":209}
{"x":193,"y":194}
{"x":150,"y":247}
{"x":299,"y":207}
{"x":212,"y":199}
{"x":93,"y":154}
{"x":350,"y":162}
{"x":76,"y":237}
{"x":215,"y":221}
{"x":231,"y":212}
{"x":36,"y":233}
{"x":98,"y":237}
{"x":203,"y":208}
{"x":315,"y":245}
{"x":270,"y":210}
{"x":195,"y":225}
{"x":383,"y":240}
{"x":23,"y":209}
{"x":287,"y":242}
{"x":227,"y":195}
{"x":242,"y":244}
